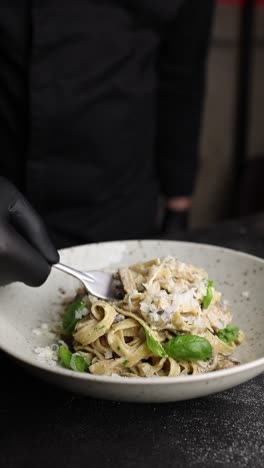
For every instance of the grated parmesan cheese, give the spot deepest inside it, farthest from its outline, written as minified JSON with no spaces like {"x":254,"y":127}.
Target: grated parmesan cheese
{"x":47,"y":354}
{"x":79,"y":314}
{"x":43,"y":331}
{"x":246,"y":294}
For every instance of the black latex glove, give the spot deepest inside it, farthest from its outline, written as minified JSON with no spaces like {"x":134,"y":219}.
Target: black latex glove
{"x":26,"y":252}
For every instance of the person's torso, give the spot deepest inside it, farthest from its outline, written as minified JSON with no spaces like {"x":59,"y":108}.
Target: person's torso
{"x":93,"y":86}
{"x":93,"y":106}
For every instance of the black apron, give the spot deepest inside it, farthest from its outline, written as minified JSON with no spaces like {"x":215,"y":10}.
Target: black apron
{"x":90,"y":111}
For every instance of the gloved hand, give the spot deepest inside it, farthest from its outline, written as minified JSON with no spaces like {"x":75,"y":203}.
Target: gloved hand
{"x":26,"y":252}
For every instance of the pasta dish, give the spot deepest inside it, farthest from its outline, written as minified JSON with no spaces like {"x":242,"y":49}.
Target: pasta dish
{"x":170,"y":322}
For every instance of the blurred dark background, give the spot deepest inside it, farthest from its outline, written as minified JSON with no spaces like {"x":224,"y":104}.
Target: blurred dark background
{"x":230,"y":182}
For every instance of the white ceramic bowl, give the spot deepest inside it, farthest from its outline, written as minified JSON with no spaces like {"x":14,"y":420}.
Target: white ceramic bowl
{"x":239,"y":276}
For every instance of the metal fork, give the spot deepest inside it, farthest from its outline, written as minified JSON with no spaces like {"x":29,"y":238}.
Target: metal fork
{"x":98,"y":283}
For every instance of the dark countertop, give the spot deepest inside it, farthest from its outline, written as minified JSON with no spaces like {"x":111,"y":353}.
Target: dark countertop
{"x":42,"y":426}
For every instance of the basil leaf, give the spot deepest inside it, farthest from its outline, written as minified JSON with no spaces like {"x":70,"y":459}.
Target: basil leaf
{"x":72,"y":361}
{"x":65,"y":356}
{"x":79,"y":363}
{"x":209,"y":295}
{"x":228,"y":334}
{"x":154,"y":345}
{"x":69,"y":319}
{"x":188,"y":348}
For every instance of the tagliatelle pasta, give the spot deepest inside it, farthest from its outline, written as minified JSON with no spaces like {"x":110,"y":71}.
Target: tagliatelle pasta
{"x":171,"y":322}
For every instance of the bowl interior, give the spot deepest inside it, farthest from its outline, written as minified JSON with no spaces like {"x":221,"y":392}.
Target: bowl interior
{"x":238,"y":276}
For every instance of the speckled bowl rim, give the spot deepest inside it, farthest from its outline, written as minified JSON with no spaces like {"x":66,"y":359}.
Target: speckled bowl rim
{"x":214,"y":375}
